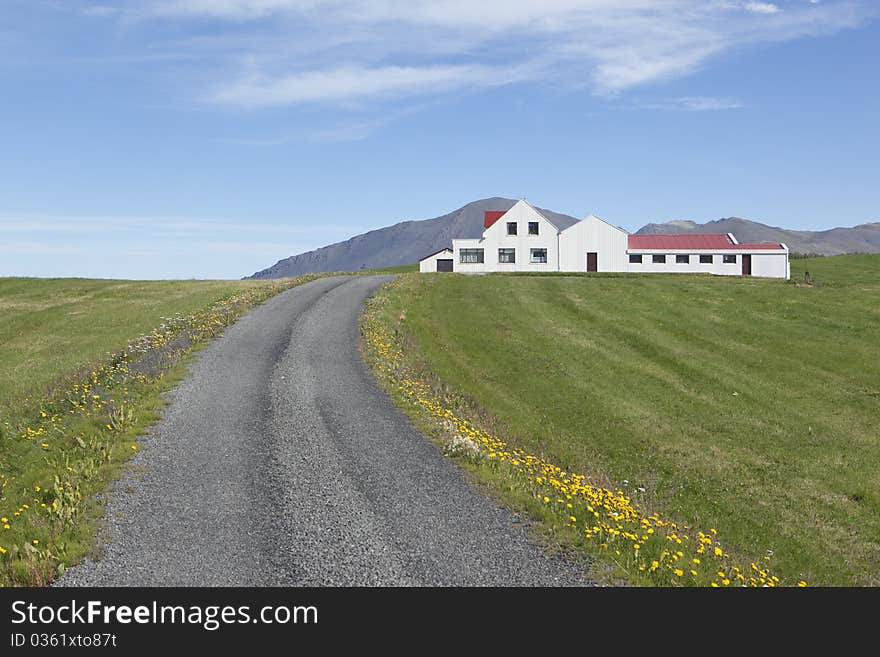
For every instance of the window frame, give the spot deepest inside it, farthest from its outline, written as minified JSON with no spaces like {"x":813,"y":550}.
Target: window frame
{"x":537,"y":225}
{"x":512,"y":224}
{"x":532,"y":256}
{"x":710,"y":261}
{"x":507,"y":251}
{"x":731,"y":261}
{"x":658,"y":258}
{"x":679,"y":261}
{"x":478,"y":253}
{"x":636,"y":258}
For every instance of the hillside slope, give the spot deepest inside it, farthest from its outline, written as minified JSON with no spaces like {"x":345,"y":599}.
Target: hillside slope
{"x":692,"y":394}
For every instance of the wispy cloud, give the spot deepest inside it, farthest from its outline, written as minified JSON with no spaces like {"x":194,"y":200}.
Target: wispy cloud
{"x":144,"y":247}
{"x":353,"y":83}
{"x":689,"y":104}
{"x":167,"y":227}
{"x":102,"y":10}
{"x":395,"y":49}
{"x":763,"y":7}
{"x":351,"y":54}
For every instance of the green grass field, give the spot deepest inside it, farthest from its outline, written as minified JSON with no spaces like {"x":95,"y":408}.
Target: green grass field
{"x":70,"y":415}
{"x":52,"y":328}
{"x":744,"y":404}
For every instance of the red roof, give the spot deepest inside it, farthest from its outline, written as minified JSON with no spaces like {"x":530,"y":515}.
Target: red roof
{"x":491,"y":216}
{"x":694,"y":242}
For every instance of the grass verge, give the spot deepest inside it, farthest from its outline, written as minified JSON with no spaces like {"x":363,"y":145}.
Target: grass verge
{"x":701,"y":408}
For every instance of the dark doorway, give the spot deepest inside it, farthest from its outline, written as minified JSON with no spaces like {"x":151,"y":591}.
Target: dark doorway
{"x":444,"y":265}
{"x":747,"y":265}
{"x":592,"y":261}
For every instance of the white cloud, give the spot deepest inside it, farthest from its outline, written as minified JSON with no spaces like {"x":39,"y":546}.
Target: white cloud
{"x":351,"y":83}
{"x":234,"y":9}
{"x":690,"y":104}
{"x":101,"y":10}
{"x":298,"y":52}
{"x":763,"y":8}
{"x":170,"y":227}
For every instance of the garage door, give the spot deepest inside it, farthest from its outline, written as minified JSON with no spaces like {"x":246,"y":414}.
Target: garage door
{"x":444,"y":265}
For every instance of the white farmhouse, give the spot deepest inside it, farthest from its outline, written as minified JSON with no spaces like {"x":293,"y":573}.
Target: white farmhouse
{"x":523,"y":239}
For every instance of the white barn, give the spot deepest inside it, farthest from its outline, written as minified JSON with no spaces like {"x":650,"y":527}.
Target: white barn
{"x":523,"y":239}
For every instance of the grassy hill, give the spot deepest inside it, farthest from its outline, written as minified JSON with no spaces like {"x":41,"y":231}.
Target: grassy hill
{"x":745,"y":405}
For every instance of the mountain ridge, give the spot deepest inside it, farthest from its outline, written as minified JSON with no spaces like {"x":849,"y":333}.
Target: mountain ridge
{"x":405,"y":242}
{"x":862,"y":238}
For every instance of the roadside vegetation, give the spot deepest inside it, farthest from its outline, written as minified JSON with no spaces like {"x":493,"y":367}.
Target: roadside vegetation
{"x":736,"y":419}
{"x":83,"y":364}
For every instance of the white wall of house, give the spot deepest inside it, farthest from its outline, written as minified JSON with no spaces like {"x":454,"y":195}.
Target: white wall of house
{"x":717,"y":266}
{"x":771,"y":265}
{"x":496,"y":237}
{"x":593,"y":235}
{"x":429,"y":264}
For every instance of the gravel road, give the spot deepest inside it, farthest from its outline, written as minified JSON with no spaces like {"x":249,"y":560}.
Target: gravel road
{"x":279,"y":461}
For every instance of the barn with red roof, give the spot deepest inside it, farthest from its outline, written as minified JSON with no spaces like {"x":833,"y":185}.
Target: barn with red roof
{"x":523,"y":239}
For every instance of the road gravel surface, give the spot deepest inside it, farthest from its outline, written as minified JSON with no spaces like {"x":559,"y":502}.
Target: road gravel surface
{"x":280,"y":461}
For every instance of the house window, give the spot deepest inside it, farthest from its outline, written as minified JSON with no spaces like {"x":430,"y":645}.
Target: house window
{"x":682,"y":259}
{"x":730,"y":260}
{"x":511,"y":228}
{"x":658,"y":259}
{"x":538,"y":255}
{"x":533,"y":228}
{"x":635,"y":258}
{"x":705,"y":260}
{"x":470,"y":256}
{"x":507,"y":255}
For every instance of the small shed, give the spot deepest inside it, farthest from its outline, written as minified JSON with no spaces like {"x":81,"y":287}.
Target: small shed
{"x":438,"y":261}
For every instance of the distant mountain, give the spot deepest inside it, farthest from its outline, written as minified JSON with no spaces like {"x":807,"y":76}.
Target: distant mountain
{"x":409,"y":241}
{"x":864,"y":238}
{"x":400,"y":244}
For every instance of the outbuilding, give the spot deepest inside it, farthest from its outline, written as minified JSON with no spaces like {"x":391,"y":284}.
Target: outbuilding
{"x":438,"y":261}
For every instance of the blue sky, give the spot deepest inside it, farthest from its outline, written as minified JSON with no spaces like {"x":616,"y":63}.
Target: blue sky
{"x":210,"y":138}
